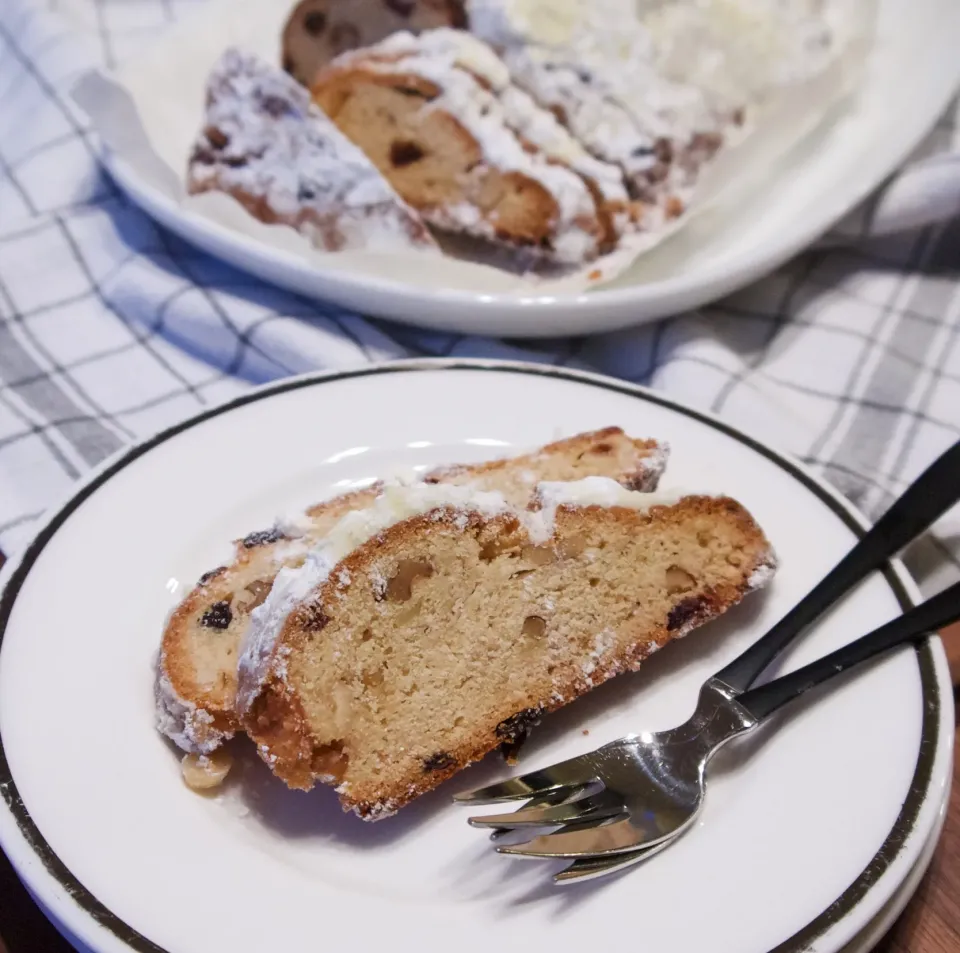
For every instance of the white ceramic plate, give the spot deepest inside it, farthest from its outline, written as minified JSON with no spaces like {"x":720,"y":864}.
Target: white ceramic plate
{"x":805,"y":836}
{"x":898,"y":103}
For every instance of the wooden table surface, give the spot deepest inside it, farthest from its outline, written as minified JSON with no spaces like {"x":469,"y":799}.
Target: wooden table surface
{"x":930,"y":923}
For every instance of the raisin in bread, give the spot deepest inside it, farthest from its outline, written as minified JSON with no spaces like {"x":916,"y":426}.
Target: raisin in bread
{"x":319,"y":30}
{"x":438,"y":115}
{"x":277,"y":154}
{"x":197,"y":671}
{"x":432,"y":627}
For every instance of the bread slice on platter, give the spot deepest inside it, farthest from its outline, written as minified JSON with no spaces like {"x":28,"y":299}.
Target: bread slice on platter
{"x":443,"y":621}
{"x":197,"y":669}
{"x":609,"y":72}
{"x":267,"y":145}
{"x":438,"y":115}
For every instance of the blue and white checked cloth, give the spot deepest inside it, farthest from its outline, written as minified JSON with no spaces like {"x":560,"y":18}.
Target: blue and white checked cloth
{"x":111,"y":328}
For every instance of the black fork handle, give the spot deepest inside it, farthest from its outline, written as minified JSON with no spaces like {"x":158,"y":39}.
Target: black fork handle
{"x":924,"y":501}
{"x":913,"y":626}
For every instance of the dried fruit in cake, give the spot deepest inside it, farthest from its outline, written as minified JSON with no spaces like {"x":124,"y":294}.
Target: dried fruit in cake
{"x":442,"y":622}
{"x":197,"y":673}
{"x":268,"y":146}
{"x":319,"y":30}
{"x":476,"y":156}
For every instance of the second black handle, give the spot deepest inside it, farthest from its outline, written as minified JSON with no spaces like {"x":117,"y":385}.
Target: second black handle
{"x":916,"y":624}
{"x":922,"y":503}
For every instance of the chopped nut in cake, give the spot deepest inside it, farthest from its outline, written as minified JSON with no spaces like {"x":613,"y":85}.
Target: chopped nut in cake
{"x":269,"y":147}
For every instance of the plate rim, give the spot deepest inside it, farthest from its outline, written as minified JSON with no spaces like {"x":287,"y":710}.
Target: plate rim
{"x":50,"y":881}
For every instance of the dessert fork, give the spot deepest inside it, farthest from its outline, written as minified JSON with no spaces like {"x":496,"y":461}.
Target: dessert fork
{"x":628,"y":799}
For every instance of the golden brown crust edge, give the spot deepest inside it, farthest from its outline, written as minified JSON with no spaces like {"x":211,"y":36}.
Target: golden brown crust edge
{"x":650,"y":463}
{"x":276,"y":722}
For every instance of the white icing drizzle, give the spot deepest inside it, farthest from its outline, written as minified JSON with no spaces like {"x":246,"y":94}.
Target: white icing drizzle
{"x":281,"y":150}
{"x":476,"y":89}
{"x":597,"y":491}
{"x":260,"y":656}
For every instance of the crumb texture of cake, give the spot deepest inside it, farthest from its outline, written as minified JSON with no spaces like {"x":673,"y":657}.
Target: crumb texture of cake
{"x":197,"y":670}
{"x":278,"y":155}
{"x":474,"y":154}
{"x":435,"y":629}
{"x":319,"y":30}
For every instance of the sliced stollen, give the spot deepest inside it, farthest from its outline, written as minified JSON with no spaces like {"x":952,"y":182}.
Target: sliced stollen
{"x":474,"y":154}
{"x":197,"y":667}
{"x":278,"y":155}
{"x":319,"y":30}
{"x":604,"y":74}
{"x":441,"y":622}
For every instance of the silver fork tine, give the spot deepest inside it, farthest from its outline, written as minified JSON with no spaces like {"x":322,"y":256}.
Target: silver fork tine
{"x":570,"y":826}
{"x":536,"y":783}
{"x":538,"y":801}
{"x":591,"y":868}
{"x":604,"y":839}
{"x":549,"y":815}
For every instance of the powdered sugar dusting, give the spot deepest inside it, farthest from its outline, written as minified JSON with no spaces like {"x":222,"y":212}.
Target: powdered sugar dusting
{"x":476,"y":89}
{"x":764,"y":572}
{"x":294,"y":525}
{"x":603,"y":643}
{"x":658,"y":88}
{"x":521,"y":113}
{"x":652,"y":466}
{"x":597,"y":64}
{"x":183,"y":722}
{"x":269,"y":146}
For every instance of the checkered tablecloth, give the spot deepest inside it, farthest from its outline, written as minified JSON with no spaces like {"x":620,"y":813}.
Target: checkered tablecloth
{"x":111,"y":328}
